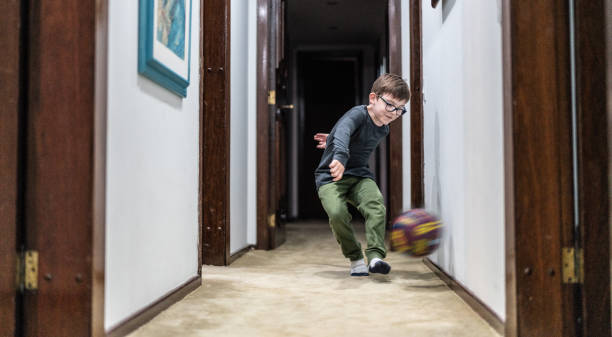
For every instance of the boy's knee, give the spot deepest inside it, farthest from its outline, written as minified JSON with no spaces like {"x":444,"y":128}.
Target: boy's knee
{"x":337,"y":214}
{"x":380,"y":209}
{"x":375,"y":208}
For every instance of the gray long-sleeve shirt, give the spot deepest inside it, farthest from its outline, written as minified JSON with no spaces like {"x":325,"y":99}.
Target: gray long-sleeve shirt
{"x":351,"y":142}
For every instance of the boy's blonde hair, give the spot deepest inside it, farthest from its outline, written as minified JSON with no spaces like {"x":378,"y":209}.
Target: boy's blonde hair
{"x":393,"y":85}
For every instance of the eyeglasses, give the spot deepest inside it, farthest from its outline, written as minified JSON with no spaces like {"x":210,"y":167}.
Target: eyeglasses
{"x":392,"y":108}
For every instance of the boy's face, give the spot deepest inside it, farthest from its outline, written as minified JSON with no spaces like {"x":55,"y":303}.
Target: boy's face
{"x":386,"y":108}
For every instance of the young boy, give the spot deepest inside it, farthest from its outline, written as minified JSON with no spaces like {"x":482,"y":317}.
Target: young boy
{"x":343,"y":174}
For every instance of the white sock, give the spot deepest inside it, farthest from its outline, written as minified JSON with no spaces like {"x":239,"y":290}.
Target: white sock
{"x":357,"y":263}
{"x":359,"y":267}
{"x":373,"y":261}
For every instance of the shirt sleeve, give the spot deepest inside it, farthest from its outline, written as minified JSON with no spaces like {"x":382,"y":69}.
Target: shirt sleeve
{"x":345,"y":127}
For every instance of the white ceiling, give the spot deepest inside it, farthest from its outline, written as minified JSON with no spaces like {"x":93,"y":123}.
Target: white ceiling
{"x":336,"y":21}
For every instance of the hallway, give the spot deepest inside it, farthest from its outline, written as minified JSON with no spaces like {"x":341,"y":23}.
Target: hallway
{"x":303,"y":289}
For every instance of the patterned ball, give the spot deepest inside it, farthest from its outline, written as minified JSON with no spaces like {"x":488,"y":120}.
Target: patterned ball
{"x":416,"y":232}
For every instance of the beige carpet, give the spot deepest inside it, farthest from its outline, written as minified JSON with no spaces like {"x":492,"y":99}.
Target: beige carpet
{"x":303,"y":288}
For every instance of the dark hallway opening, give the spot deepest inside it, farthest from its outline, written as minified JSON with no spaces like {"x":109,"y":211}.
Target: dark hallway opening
{"x":327,"y":87}
{"x":335,"y":50}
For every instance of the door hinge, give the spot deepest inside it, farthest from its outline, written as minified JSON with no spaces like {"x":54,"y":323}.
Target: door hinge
{"x":272,"y":220}
{"x":272,"y":97}
{"x":573,"y":263}
{"x":27,"y":270}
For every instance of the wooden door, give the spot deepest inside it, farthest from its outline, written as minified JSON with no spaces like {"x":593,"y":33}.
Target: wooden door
{"x":593,"y":159}
{"x":280,"y":108}
{"x":59,"y":167}
{"x":49,"y":165}
{"x":538,"y":170}
{"x":264,"y":98}
{"x":283,"y":109}
{"x":271,"y":183}
{"x":557,"y":202}
{"x":10,"y":112}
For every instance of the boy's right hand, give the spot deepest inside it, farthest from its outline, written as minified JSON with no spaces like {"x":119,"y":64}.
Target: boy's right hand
{"x":336,"y":169}
{"x":322,"y":139}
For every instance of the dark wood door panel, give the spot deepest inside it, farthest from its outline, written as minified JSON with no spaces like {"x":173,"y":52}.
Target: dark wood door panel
{"x":263,"y":122}
{"x":594,"y":159}
{"x":10,"y":79}
{"x":216,"y":132}
{"x":417,"y":188}
{"x":538,"y":165}
{"x":59,"y":170}
{"x":395,"y":202}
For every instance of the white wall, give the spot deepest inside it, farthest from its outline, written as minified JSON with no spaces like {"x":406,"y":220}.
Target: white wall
{"x":462,"y":75}
{"x":252,"y":112}
{"x":484,"y":160}
{"x":152,"y":174}
{"x":243,"y":164}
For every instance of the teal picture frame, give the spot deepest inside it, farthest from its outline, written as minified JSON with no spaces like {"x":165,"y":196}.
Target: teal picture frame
{"x":158,"y":59}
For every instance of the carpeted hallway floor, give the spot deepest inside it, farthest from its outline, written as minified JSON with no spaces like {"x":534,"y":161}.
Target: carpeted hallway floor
{"x":303,"y":288}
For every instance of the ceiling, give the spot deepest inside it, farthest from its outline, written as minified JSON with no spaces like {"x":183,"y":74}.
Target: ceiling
{"x":318,"y":22}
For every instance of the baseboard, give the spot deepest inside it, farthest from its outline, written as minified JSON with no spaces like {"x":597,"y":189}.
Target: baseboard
{"x":239,"y":253}
{"x":477,"y":305}
{"x":143,"y":316}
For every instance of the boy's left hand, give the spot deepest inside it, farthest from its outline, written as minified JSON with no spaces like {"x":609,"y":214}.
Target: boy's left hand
{"x":322,"y":139}
{"x":336,"y":169}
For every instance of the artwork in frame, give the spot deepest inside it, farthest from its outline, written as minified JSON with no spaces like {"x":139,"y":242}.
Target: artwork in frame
{"x":164,"y":43}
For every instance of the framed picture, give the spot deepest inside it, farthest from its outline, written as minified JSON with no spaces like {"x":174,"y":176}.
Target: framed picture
{"x":164,"y":43}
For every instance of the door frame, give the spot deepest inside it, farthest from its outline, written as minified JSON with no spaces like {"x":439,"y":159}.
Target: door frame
{"x":264,"y":87}
{"x":41,"y":187}
{"x":537,"y":107}
{"x":265,"y":102}
{"x":99,"y":167}
{"x":417,"y":180}
{"x":215,"y":132}
{"x":11,"y":114}
{"x":594,"y":161}
{"x":534,"y":88}
{"x":394,"y":144}
{"x":358,"y":54}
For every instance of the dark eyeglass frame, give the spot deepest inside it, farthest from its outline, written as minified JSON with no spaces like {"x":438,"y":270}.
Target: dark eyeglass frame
{"x":393,"y":107}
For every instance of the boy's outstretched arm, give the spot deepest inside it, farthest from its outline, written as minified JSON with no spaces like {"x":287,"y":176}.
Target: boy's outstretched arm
{"x":322,"y":139}
{"x":342,"y":136}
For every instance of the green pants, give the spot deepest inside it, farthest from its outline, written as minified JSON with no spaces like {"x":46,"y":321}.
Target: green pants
{"x":364,"y":194}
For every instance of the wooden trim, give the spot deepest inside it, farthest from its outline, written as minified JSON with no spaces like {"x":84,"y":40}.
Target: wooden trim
{"x":538,"y":168}
{"x":148,"y":313}
{"x":241,"y":252}
{"x":472,"y":300}
{"x":593,"y":162}
{"x":395,"y":168}
{"x":99,"y":175}
{"x":274,"y":178}
{"x":277,"y":232}
{"x":201,"y":158}
{"x":215,"y":133}
{"x":263,"y":122}
{"x":228,"y":119}
{"x":416,"y":107}
{"x":10,"y":111}
{"x":510,"y":246}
